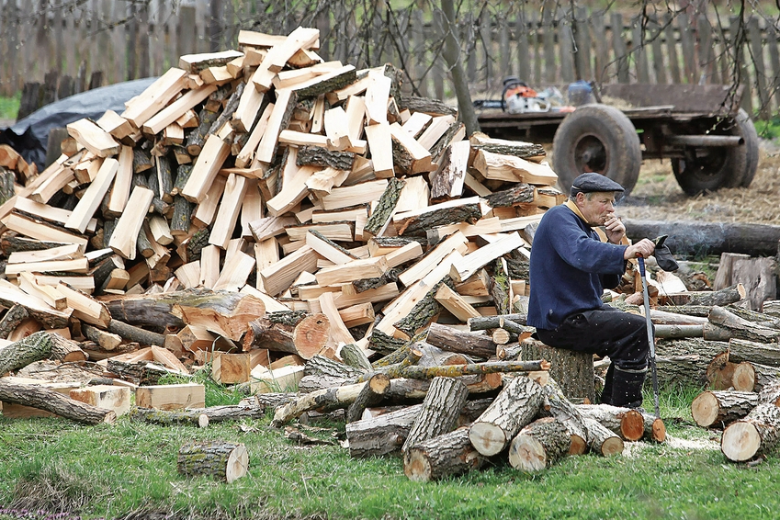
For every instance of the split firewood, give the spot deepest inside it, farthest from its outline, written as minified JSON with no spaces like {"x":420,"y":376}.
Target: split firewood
{"x":224,"y":460}
{"x":516,"y":405}
{"x":539,"y":445}
{"x":719,"y":408}
{"x":756,"y":434}
{"x":55,"y":402}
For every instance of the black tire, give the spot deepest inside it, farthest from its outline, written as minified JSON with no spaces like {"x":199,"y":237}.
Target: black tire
{"x":597,"y":138}
{"x":711,"y":168}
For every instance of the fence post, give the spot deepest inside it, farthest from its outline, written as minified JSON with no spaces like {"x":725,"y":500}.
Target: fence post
{"x":523,"y":51}
{"x":418,"y":53}
{"x":582,"y":42}
{"x":131,"y":32}
{"x":565,"y":43}
{"x":619,"y":46}
{"x":602,"y":64}
{"x":504,"y":48}
{"x":638,"y":50}
{"x":740,"y":75}
{"x":658,"y":56}
{"x":688,"y":46}
{"x":671,"y":49}
{"x":774,"y":59}
{"x":548,"y":38}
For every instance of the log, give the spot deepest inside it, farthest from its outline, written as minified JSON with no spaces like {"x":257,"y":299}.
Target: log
{"x":55,"y":402}
{"x":12,"y":318}
{"x":514,"y":407}
{"x":371,"y":395}
{"x":402,"y":389}
{"x":321,"y":366}
{"x":224,"y":460}
{"x":539,"y":445}
{"x":454,"y":340}
{"x":381,"y":435}
{"x":65,"y":350}
{"x":741,"y":328}
{"x":441,"y":408}
{"x":753,"y":377}
{"x":385,"y":207}
{"x":316,"y":156}
{"x":700,"y":238}
{"x":423,"y":312}
{"x":770,"y":394}
{"x":627,"y":423}
{"x":442,"y":456}
{"x":654,"y":428}
{"x":106,"y":340}
{"x":573,"y":369}
{"x":722,"y":297}
{"x":719,"y":408}
{"x":137,"y":334}
{"x":21,"y":353}
{"x":354,"y":356}
{"x":304,"y":337}
{"x":339,"y":397}
{"x":490,"y":367}
{"x":201,"y":417}
{"x":756,"y":434}
{"x":494,"y":322}
{"x":688,"y":370}
{"x":564,"y":411}
{"x":602,"y":440}
{"x":763,"y":353}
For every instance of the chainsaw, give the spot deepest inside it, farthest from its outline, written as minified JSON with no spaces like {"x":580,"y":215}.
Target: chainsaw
{"x":517,"y":98}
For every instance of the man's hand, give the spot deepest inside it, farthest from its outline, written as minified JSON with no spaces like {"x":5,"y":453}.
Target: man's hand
{"x":614,"y":229}
{"x":643,"y":248}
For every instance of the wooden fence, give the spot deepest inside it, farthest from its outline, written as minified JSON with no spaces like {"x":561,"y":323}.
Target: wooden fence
{"x":125,"y":40}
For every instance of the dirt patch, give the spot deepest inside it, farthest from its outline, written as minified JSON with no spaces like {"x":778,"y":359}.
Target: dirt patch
{"x":657,"y":195}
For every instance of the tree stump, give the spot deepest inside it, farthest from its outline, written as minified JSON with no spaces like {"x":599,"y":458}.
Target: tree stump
{"x":573,"y":370}
{"x":441,"y":409}
{"x":601,"y":440}
{"x":754,"y":435}
{"x":516,"y":405}
{"x":722,"y":407}
{"x":448,"y":454}
{"x":223,"y":460}
{"x":539,"y":445}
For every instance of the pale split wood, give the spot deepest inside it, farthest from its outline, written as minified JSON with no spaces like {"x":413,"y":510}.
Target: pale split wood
{"x":175,"y":110}
{"x":229,"y":208}
{"x":381,"y":147}
{"x":235,"y":272}
{"x":206,"y":167}
{"x":94,"y":138}
{"x":155,"y":97}
{"x":125,"y":235}
{"x":93,"y":196}
{"x":123,"y":180}
{"x":247,"y":153}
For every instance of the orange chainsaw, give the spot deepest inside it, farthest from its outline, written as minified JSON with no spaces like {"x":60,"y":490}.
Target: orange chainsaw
{"x":517,"y":98}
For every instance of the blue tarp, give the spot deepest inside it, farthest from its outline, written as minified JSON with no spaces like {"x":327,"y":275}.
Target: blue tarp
{"x":30,"y":136}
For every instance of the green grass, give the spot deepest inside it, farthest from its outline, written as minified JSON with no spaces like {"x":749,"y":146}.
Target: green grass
{"x":110,"y":471}
{"x":9,"y":106}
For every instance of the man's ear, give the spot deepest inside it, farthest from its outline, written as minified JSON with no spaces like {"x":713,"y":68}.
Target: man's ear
{"x":580,"y":198}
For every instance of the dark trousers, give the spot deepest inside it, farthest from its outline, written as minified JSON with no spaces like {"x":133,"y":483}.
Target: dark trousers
{"x":606,"y":332}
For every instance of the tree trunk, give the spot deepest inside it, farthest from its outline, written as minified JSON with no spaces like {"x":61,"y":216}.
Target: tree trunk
{"x":720,"y":408}
{"x":223,"y":460}
{"x":381,"y":435}
{"x":574,"y":370}
{"x":304,"y":337}
{"x":455,"y":63}
{"x":453,"y":340}
{"x":170,"y":417}
{"x":627,"y":423}
{"x":539,"y":445}
{"x":339,"y":397}
{"x":602,"y":440}
{"x":722,"y":297}
{"x":494,"y":322}
{"x":66,"y":350}
{"x":741,"y":328}
{"x":196,"y":415}
{"x":565,"y":412}
{"x":770,"y":394}
{"x":137,"y":334}
{"x":516,"y":405}
{"x":490,"y":367}
{"x":55,"y":402}
{"x":756,"y":434}
{"x":441,"y":409}
{"x":18,"y":355}
{"x":445,"y":455}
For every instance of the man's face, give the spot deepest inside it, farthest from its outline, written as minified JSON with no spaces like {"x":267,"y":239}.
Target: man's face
{"x":597,"y":207}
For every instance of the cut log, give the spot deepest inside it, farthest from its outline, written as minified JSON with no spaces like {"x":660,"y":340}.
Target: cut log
{"x":719,"y":408}
{"x":490,"y":367}
{"x":12,"y":318}
{"x":516,"y":405}
{"x":573,"y":369}
{"x":197,"y":415}
{"x":55,"y":402}
{"x":303,"y":335}
{"x":371,"y":395}
{"x":722,"y":297}
{"x":770,"y":394}
{"x":764,"y":353}
{"x":454,"y":340}
{"x":601,"y":440}
{"x":626,"y":422}
{"x":539,"y":445}
{"x":565,"y":412}
{"x":339,"y":397}
{"x":21,"y":353}
{"x":756,"y":434}
{"x":741,"y":328}
{"x":381,"y":435}
{"x":441,"y":408}
{"x":442,"y":456}
{"x":223,"y":460}
{"x":753,"y":377}
{"x":494,"y":322}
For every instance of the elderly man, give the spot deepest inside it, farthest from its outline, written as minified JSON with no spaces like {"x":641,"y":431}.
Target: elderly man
{"x":570,"y":267}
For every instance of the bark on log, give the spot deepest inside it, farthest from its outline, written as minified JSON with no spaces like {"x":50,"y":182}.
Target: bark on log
{"x":522,"y":150}
{"x":770,"y":394}
{"x":441,"y":409}
{"x":340,"y":397}
{"x":654,"y":428}
{"x":224,"y":460}
{"x":426,"y":105}
{"x":759,"y":318}
{"x":627,"y":423}
{"x":539,"y":445}
{"x":195,"y":415}
{"x":140,"y":373}
{"x":423,"y":312}
{"x":402,"y":389}
{"x":564,"y":411}
{"x":741,"y":328}
{"x":509,"y":351}
{"x":445,"y":455}
{"x":170,"y":417}
{"x":295,"y":334}
{"x":182,"y":215}
{"x":385,"y":207}
{"x":494,"y":322}
{"x":722,"y":297}
{"x":371,"y":395}
{"x":498,"y":287}
{"x":663,"y":317}
{"x":66,"y":350}
{"x":418,"y":224}
{"x":197,"y":137}
{"x":106,"y":340}
{"x":316,"y":156}
{"x":384,"y":344}
{"x":753,"y":377}
{"x":574,"y":370}
{"x":719,"y":408}
{"x":55,"y":402}
{"x":490,"y":367}
{"x":602,"y":440}
{"x":516,"y":405}
{"x":137,"y":334}
{"x":682,"y":371}
{"x":453,"y":340}
{"x":354,"y":356}
{"x":756,"y":434}
{"x":18,"y":355}
{"x":764,"y":353}
{"x":12,"y":319}
{"x":325,"y":367}
{"x":519,"y":194}
{"x":697,"y":238}
{"x":381,"y":435}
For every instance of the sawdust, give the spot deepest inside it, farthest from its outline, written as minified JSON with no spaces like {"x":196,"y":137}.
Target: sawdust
{"x":635,"y":449}
{"x":657,"y":195}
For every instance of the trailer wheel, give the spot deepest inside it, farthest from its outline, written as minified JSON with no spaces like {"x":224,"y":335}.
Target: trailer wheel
{"x":597,"y":138}
{"x":712,"y":168}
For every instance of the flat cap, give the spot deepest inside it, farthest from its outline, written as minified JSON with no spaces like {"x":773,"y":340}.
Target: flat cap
{"x":590,"y":182}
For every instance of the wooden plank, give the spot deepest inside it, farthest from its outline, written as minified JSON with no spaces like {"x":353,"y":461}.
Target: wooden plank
{"x":205,"y":169}
{"x":59,"y":178}
{"x":40,"y":231}
{"x":94,"y":138}
{"x":619,"y":48}
{"x":85,"y":284}
{"x":93,"y":196}
{"x":222,"y":230}
{"x":176,"y":109}
{"x":638,"y":49}
{"x":155,"y":97}
{"x":125,"y":235}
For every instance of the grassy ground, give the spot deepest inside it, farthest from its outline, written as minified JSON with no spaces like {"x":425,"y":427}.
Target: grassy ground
{"x":111,"y":471}
{"x":9,"y":107}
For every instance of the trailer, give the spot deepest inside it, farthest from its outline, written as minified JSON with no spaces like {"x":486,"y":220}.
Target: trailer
{"x":710,"y":141}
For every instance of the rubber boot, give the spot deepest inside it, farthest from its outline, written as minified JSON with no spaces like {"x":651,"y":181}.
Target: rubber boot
{"x":606,"y":393}
{"x":627,"y":387}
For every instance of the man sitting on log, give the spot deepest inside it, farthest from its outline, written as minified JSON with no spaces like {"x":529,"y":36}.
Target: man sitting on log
{"x":570,"y":266}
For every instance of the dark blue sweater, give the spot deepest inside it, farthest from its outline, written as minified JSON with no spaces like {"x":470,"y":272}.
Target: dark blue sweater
{"x":570,"y":267}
